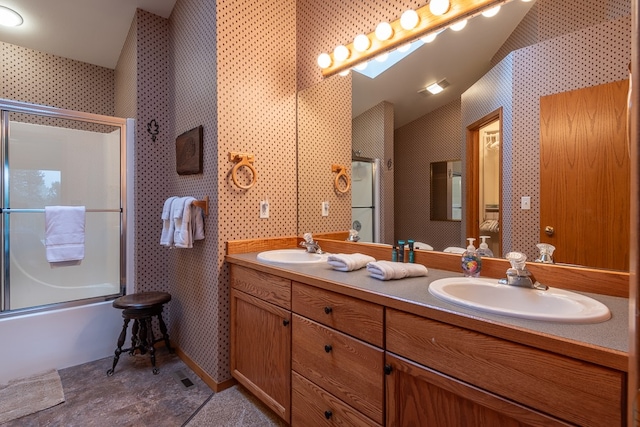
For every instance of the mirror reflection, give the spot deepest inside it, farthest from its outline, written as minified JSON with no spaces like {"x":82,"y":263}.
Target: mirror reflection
{"x":542,"y":55}
{"x":446,"y":191}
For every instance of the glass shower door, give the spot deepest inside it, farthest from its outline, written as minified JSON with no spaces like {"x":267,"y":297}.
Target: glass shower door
{"x":59,"y":162}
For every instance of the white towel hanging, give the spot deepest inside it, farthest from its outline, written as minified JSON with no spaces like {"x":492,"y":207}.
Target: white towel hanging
{"x":64,"y":233}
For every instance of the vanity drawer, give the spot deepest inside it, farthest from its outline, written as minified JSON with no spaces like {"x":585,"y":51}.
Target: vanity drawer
{"x":361,"y":319}
{"x":312,"y":406}
{"x":572,"y":390}
{"x":348,"y":368}
{"x":265,"y":286}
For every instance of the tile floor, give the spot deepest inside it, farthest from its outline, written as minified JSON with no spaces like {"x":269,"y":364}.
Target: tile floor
{"x":134,"y":397}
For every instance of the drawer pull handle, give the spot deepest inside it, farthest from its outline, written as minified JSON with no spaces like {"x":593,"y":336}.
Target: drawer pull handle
{"x":328,"y":310}
{"x":387,"y":369}
{"x":285,"y":322}
{"x":328,"y":348}
{"x":328,"y":414}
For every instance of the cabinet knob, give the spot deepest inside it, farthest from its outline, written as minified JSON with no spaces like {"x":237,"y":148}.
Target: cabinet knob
{"x":387,"y":369}
{"x":285,"y":322}
{"x":328,"y":348}
{"x":328,"y":414}
{"x":328,"y":310}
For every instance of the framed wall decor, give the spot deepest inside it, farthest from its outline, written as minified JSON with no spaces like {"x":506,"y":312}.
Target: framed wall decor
{"x":189,"y":152}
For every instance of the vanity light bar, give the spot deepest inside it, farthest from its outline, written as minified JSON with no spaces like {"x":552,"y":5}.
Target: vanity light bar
{"x":427,"y":23}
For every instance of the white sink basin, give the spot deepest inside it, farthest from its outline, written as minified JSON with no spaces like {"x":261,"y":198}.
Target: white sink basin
{"x":556,"y":305}
{"x":291,"y":256}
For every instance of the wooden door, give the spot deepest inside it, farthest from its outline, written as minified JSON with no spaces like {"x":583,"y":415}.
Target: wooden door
{"x":584,"y":176}
{"x":261,"y":350}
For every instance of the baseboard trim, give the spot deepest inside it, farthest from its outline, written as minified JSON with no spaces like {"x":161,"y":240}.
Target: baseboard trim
{"x":213,"y":384}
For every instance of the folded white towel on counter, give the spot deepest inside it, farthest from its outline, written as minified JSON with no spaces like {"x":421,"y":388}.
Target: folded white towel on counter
{"x":64,"y":233}
{"x":389,"y":270}
{"x":454,"y":250}
{"x":349,"y":262}
{"x":168,"y":226}
{"x":420,"y":245}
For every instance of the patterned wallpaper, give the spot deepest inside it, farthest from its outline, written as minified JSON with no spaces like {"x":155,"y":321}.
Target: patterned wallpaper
{"x":434,"y":137}
{"x":324,"y":139}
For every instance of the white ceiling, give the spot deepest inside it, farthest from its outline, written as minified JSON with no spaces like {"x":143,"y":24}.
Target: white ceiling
{"x":90,"y":31}
{"x":94,"y":31}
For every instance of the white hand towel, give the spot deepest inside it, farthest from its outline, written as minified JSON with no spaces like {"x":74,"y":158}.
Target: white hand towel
{"x":197,"y":222}
{"x":64,"y":233}
{"x":166,"y":237}
{"x":349,"y":262}
{"x":177,"y":211}
{"x":183,"y":235}
{"x":388,"y":270}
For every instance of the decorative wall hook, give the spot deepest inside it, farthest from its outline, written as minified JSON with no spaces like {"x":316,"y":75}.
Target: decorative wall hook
{"x":342,"y":173}
{"x":153,"y":129}
{"x":243,"y":159}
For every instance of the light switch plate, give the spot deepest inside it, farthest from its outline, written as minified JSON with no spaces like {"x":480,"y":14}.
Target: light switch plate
{"x":525,"y":202}
{"x":325,"y":208}
{"x":264,"y":209}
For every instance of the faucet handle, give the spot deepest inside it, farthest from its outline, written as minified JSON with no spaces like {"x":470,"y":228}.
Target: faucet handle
{"x":517,"y":260}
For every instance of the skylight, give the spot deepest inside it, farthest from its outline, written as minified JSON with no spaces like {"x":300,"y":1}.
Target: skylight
{"x":375,"y":68}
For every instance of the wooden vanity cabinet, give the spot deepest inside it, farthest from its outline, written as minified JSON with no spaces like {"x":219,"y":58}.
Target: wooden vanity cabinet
{"x":337,"y":359}
{"x":261,"y":336}
{"x":440,"y":374}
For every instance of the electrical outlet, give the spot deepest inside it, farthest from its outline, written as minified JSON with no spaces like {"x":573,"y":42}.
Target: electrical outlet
{"x":264,"y":209}
{"x":325,"y":208}
{"x":525,"y":202}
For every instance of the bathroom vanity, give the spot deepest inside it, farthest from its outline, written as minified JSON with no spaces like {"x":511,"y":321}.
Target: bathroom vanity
{"x":322,"y":347}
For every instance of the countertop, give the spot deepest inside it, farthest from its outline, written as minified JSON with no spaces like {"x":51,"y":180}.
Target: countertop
{"x":604,"y":343}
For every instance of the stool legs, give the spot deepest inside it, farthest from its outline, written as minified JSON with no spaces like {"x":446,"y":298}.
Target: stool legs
{"x":121,"y":338}
{"x":165,"y":335}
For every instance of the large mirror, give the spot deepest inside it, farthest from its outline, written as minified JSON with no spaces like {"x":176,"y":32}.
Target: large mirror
{"x":550,"y":60}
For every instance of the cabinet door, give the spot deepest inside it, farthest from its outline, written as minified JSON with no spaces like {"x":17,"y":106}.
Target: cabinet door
{"x":418,"y":396}
{"x":261,"y":350}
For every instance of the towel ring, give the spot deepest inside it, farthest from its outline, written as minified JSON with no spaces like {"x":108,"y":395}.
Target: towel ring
{"x":243,"y":159}
{"x":342,"y":173}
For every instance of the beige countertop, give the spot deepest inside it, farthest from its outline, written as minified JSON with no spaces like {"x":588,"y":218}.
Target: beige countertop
{"x":605,"y":343}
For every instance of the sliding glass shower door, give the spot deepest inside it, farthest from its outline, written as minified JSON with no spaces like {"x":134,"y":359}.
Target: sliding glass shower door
{"x":52,"y":160}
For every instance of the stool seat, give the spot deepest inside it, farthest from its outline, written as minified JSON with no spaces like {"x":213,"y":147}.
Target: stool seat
{"x":142,"y":300}
{"x":141,"y":307}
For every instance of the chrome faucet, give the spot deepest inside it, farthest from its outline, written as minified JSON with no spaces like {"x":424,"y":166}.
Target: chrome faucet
{"x":311,"y":245}
{"x":518,"y":275}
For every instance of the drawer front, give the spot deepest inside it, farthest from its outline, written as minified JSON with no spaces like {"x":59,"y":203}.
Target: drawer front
{"x":350,"y":315}
{"x":572,"y":390}
{"x":347,"y":368}
{"x":312,"y":406}
{"x":265,"y":286}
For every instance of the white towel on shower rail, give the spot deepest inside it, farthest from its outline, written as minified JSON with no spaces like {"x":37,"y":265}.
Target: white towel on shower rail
{"x":64,"y":233}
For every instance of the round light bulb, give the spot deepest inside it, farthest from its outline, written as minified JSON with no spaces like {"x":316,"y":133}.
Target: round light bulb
{"x":9,"y":17}
{"x":361,"y":43}
{"x":429,"y":37}
{"x":384,"y":31}
{"x":324,"y":60}
{"x":459,"y":25}
{"x":405,"y":47}
{"x":382,"y":57}
{"x":409,"y":19}
{"x":340,"y":53}
{"x":439,"y":7}
{"x":491,"y":12}
{"x":344,"y":72}
{"x":361,"y":66}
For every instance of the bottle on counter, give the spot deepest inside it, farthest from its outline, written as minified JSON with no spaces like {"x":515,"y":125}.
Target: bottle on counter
{"x":471,"y":261}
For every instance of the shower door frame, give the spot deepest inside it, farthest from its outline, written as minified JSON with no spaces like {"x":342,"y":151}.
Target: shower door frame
{"x":9,"y":106}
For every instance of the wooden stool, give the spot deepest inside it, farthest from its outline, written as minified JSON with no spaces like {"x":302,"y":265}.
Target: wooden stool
{"x":141,"y":307}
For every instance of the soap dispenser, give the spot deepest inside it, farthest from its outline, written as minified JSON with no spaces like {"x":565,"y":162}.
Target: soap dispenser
{"x":484,"y":250}
{"x":471,"y":260}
